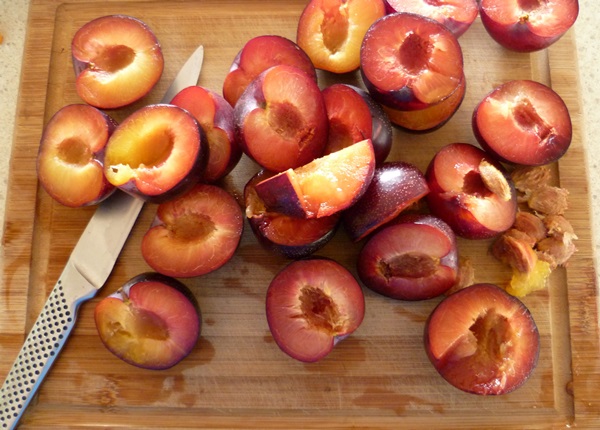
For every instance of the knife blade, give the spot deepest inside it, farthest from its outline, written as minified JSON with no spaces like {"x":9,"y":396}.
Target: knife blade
{"x":85,"y":272}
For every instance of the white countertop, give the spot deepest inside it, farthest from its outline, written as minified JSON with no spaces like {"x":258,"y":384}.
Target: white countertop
{"x":13,"y":20}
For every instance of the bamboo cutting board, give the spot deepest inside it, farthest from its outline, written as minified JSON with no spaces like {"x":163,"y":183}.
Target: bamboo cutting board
{"x":237,"y":377}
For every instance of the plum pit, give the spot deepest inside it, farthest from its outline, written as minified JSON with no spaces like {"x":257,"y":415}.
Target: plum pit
{"x":494,"y":180}
{"x":486,"y":182}
{"x":74,"y":151}
{"x":319,"y":310}
{"x":474,"y":185}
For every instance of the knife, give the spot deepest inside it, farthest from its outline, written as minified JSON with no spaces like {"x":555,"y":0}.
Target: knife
{"x":86,"y":271}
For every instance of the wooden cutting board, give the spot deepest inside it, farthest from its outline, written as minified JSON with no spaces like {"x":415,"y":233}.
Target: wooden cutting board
{"x":237,"y":377}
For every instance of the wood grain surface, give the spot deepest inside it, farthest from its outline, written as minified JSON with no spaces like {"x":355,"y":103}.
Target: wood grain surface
{"x":237,"y":377}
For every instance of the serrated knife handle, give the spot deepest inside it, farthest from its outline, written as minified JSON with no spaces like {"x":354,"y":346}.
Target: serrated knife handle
{"x":46,"y":338}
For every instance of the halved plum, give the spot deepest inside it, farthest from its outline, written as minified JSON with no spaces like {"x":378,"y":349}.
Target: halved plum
{"x":527,"y":25}
{"x":156,"y":153}
{"x":257,"y":55}
{"x":410,"y":62}
{"x":330,"y":31}
{"x":355,"y":116}
{"x":395,"y":186}
{"x":457,"y":15}
{"x":482,"y":340}
{"x":281,"y":119}
{"x":195,"y":233}
{"x":215,"y":116}
{"x":152,"y":322}
{"x":69,"y":160}
{"x":523,"y":122}
{"x":312,"y":304}
{"x":471,"y":191}
{"x":117,"y":60}
{"x":414,"y":258}
{"x":322,"y":187}
{"x":290,"y":236}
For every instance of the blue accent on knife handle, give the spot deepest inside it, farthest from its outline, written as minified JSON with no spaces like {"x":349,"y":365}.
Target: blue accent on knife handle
{"x":44,"y":342}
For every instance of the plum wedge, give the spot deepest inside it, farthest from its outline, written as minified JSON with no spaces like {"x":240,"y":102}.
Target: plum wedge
{"x":290,"y":236}
{"x":430,"y":118}
{"x":355,"y":116}
{"x":215,"y":116}
{"x":322,"y":187}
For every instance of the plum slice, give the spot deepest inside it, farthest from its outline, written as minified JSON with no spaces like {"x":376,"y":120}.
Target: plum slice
{"x":311,"y":305}
{"x":195,"y":233}
{"x":322,"y":187}
{"x":152,"y":321}
{"x":482,"y":340}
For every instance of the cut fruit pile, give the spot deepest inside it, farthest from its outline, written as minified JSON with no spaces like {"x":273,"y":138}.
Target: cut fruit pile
{"x":321,"y":156}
